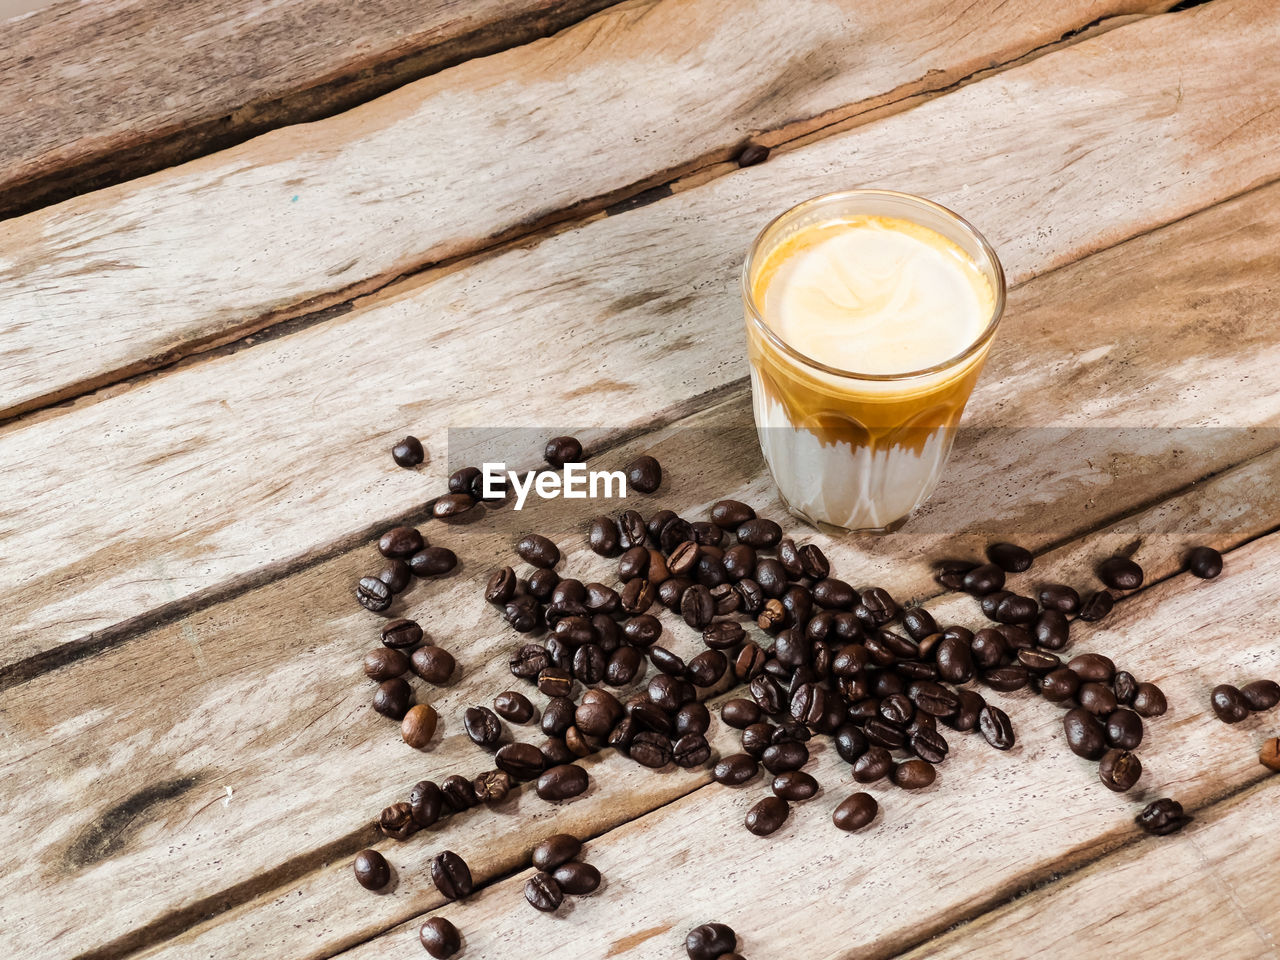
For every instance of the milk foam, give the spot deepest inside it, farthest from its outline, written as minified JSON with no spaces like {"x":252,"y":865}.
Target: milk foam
{"x":875,"y":295}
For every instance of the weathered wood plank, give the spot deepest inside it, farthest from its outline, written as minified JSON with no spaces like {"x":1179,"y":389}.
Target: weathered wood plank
{"x":95,"y":93}
{"x":167,"y":530}
{"x":316,"y":914}
{"x":448,"y":164}
{"x":1003,"y":821}
{"x":1209,"y":891}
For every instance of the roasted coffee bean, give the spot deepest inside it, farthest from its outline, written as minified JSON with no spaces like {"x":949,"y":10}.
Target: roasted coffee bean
{"x":529,"y":661}
{"x":562,"y":450}
{"x":788,"y":729}
{"x":659,"y":520}
{"x":1124,"y":729}
{"x":492,"y":786}
{"x":795,"y":785}
{"x":691,"y":750}
{"x":1039,"y":662}
{"x":542,"y":584}
{"x":632,"y":531}
{"x":753,"y":597}
{"x":392,"y":698}
{"x":757,"y":738}
{"x":562,"y":782}
{"x":596,"y":715}
{"x":808,"y":704}
{"x":555,"y":682}
{"x":955,"y":659}
{"x":557,"y":849}
{"x":932,"y":698}
{"x":706,"y":669}
{"x":372,"y":871}
{"x":766,"y":817}
{"x":589,"y":664}
{"x":771,"y":577}
{"x":860,"y":711}
{"x":879,"y":605}
{"x":740,"y":713}
{"x":739,"y":561}
{"x":813,"y":562}
{"x":482,"y":726}
{"x":697,"y":607}
{"x":914,"y":774}
{"x":897,"y":709}
{"x":1125,"y":687}
{"x":731,"y":514}
{"x":855,"y":812}
{"x":759,"y":533}
{"x":834,"y":594}
{"x":983,"y":579}
{"x":1204,"y":562}
{"x":459,"y":793}
{"x":919,"y":623}
{"x":1261,"y":694}
{"x":633,"y":563}
{"x":850,"y":742}
{"x":674,"y":532}
{"x":671,"y":592}
{"x":373,"y":594}
{"x":642,"y":630}
{"x":884,"y":734}
{"x":647,"y":715}
{"x":1009,"y":557}
{"x":604,"y":537}
{"x":996,"y":727}
{"x":408,"y":452}
{"x":383,"y":663}
{"x":707,"y":534}
{"x":501,"y":587}
{"x":425,"y":803}
{"x":558,"y":716}
{"x":1229,"y":703}
{"x":650,"y":749}
{"x":1016,"y":636}
{"x":522,"y":613}
{"x":710,"y":941}
{"x":1006,"y":679}
{"x":1016,"y":609}
{"x":543,"y":893}
{"x":784,"y":756}
{"x":1060,"y":597}
{"x":452,"y":505}
{"x":577,"y":878}
{"x":1096,"y":606}
{"x":522,"y":761}
{"x":1119,"y":770}
{"x":1149,"y":701}
{"x":991,"y":603}
{"x":433,"y":562}
{"x":397,"y":822}
{"x":1059,"y":685}
{"x":967,"y":713}
{"x":873,"y":765}
{"x":789,"y":557}
{"x":538,"y":550}
{"x":556,"y":752}
{"x":579,"y":744}
{"x":637,"y":597}
{"x":396,"y":575}
{"x":1097,"y":698}
{"x":710,"y":570}
{"x":418,"y":726}
{"x":451,"y":875}
{"x":402,"y":542}
{"x":1052,"y":630}
{"x":766,"y":691}
{"x":1093,"y":666}
{"x":850,"y":660}
{"x":1269,"y":755}
{"x":513,"y":707}
{"x":623,"y":667}
{"x":735,"y":769}
{"x":670,"y":693}
{"x":988,"y":648}
{"x":440,"y":938}
{"x":929,"y":745}
{"x":692,"y":718}
{"x":644,"y":473}
{"x":951,"y":573}
{"x":1120,"y":573}
{"x":1086,"y":736}
{"x":401,"y":634}
{"x":1162,"y":817}
{"x":683,"y":560}
{"x":466,"y":480}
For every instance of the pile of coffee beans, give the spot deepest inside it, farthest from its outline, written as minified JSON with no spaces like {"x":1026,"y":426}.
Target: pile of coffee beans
{"x":712,"y":941}
{"x":1233,"y":704}
{"x":406,"y":650}
{"x":561,"y":872}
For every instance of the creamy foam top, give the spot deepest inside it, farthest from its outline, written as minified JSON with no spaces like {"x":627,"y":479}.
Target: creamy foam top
{"x":874,"y":295}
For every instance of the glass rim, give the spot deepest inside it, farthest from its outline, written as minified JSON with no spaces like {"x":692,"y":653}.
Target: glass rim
{"x":965,"y":226}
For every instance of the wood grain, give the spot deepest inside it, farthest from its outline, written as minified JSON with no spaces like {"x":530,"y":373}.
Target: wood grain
{"x":1003,"y":822}
{"x":313,"y":913}
{"x":316,"y":213}
{"x":93,"y":94}
{"x":196,"y":493}
{"x":1209,"y":891}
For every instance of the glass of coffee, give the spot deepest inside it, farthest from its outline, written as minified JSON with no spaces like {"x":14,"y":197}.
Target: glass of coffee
{"x":869,"y":316}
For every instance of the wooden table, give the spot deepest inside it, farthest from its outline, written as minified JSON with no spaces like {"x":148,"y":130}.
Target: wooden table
{"x":211,"y":343}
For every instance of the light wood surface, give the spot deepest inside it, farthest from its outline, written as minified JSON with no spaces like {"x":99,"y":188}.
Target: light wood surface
{"x":95,"y":93}
{"x":314,"y":214}
{"x":173,"y":531}
{"x":189,"y":757}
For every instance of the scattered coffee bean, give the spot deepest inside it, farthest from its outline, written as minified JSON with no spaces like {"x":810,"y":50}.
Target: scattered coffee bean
{"x":459,"y":792}
{"x":795,"y":785}
{"x":433,"y":562}
{"x":452,"y":505}
{"x":501,"y":587}
{"x":855,"y":811}
{"x":759,"y":533}
{"x":392,"y":698}
{"x":1125,"y":687}
{"x":562,"y":782}
{"x":1093,"y":666}
{"x":604,"y":537}
{"x":372,"y":871}
{"x":492,"y":786}
{"x":418,"y":726}
{"x":538,"y":550}
{"x":1261,"y":694}
{"x":373,"y":594}
{"x":562,"y":450}
{"x":513,"y":707}
{"x":1096,"y":606}
{"x":1059,"y":685}
{"x":408,"y":452}
{"x":1204,"y":562}
{"x":650,"y":749}
{"x":1097,"y":698}
{"x":752,"y":154}
{"x":426,"y":803}
{"x":433,"y":664}
{"x":1058,"y":596}
{"x":983,"y":579}
{"x":1124,"y":729}
{"x":735,"y":769}
{"x":440,"y":938}
{"x":577,"y":878}
{"x":466,"y":480}
{"x":766,"y":816}
{"x":451,"y":875}
{"x":1119,"y":770}
{"x":402,"y":542}
{"x":556,"y":849}
{"x":644,"y":474}
{"x":1086,"y":736}
{"x":396,"y":575}
{"x":913,"y":774}
{"x":522,"y":761}
{"x":1120,"y":573}
{"x":383,"y":663}
{"x":543,"y":893}
{"x":731,"y":514}
{"x":691,"y":750}
{"x":397,"y":822}
{"x":482,"y":726}
{"x":1149,"y":701}
{"x":710,"y":941}
{"x":1269,"y":755}
{"x":1010,"y":557}
{"x":996,"y":727}
{"x":697,"y":607}
{"x":1162,"y":817}
{"x":784,"y":756}
{"x":1229,"y":703}
{"x":872,"y":765}
{"x":693,"y":718}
